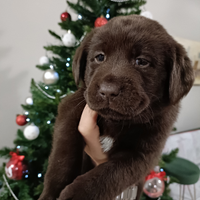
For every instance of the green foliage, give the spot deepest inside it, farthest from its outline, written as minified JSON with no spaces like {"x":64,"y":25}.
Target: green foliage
{"x":4,"y":152}
{"x":42,"y":67}
{"x":61,"y":51}
{"x":23,"y":190}
{"x":169,"y":157}
{"x":76,"y":27}
{"x":55,"y":35}
{"x":38,"y":190}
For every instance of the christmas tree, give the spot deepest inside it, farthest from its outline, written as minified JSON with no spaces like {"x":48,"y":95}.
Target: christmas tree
{"x":22,"y":177}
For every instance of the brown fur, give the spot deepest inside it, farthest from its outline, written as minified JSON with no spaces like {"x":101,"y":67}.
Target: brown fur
{"x":137,"y":107}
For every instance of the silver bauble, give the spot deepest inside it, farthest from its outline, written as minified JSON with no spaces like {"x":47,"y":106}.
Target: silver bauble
{"x":154,"y":187}
{"x":69,"y":39}
{"x":29,"y":101}
{"x":31,"y":132}
{"x":50,"y":77}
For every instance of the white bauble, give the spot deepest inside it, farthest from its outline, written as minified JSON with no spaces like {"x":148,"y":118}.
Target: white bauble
{"x":29,"y":101}
{"x":147,"y":14}
{"x":31,"y":132}
{"x":44,"y":60}
{"x":69,"y":39}
{"x":50,"y":77}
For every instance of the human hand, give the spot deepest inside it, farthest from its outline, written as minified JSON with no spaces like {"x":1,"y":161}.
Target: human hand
{"x":90,"y":132}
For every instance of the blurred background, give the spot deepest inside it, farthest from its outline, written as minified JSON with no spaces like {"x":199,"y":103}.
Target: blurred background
{"x":24,"y":26}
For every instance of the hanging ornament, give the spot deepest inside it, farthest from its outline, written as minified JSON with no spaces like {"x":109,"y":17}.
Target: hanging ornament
{"x":154,"y":185}
{"x":50,"y":77}
{"x":65,"y":16}
{"x":16,"y":167}
{"x":69,"y":39}
{"x":100,"y":21}
{"x":29,"y":101}
{"x":44,"y":60}
{"x":147,"y":14}
{"x":31,"y":132}
{"x":21,"y":120}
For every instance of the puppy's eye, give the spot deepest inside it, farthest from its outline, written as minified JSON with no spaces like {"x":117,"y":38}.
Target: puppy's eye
{"x":142,"y":62}
{"x":100,"y":58}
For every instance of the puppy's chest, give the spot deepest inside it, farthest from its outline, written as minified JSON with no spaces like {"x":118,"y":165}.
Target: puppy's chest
{"x":123,"y":141}
{"x":118,"y":137}
{"x":107,"y":143}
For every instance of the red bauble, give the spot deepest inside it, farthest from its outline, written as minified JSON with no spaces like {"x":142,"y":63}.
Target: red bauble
{"x":21,"y":120}
{"x":16,"y":167}
{"x":64,"y":16}
{"x":100,"y":21}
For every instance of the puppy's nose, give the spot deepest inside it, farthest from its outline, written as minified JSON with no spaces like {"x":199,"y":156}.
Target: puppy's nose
{"x":108,"y":90}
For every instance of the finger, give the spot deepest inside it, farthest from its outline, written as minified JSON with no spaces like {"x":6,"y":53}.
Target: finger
{"x":96,"y":154}
{"x":88,"y":124}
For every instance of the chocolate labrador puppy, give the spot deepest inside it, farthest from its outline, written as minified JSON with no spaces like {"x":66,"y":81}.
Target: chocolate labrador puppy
{"x":133,"y":73}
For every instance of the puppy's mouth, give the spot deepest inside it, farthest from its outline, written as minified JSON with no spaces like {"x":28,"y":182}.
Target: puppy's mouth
{"x":117,"y":113}
{"x":113,"y":115}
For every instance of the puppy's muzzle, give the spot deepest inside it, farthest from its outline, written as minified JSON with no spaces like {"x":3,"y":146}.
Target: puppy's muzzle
{"x":108,"y":91}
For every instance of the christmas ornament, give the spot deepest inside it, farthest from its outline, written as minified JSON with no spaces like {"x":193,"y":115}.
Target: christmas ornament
{"x":100,"y":21}
{"x":16,"y":167}
{"x":50,"y":77}
{"x":29,"y":101}
{"x":154,"y":185}
{"x":44,"y":60}
{"x":147,"y":14}
{"x":129,"y":194}
{"x":31,"y":132}
{"x":21,"y":120}
{"x":64,"y":16}
{"x":69,"y":39}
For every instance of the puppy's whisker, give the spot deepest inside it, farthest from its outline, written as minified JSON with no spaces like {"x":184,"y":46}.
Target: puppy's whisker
{"x":122,"y":126}
{"x":153,"y":95}
{"x":152,"y":113}
{"x":140,"y":119}
{"x":99,"y":119}
{"x":78,"y":98}
{"x":81,"y":102}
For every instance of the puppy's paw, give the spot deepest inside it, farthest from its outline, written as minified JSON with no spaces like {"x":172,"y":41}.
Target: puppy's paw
{"x":46,"y":198}
{"x":80,"y":189}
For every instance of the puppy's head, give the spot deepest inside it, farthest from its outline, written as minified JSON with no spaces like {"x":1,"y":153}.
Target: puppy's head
{"x":129,"y":67}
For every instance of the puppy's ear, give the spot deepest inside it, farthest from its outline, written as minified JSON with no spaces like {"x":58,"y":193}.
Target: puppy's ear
{"x":182,"y":75}
{"x":80,"y":58}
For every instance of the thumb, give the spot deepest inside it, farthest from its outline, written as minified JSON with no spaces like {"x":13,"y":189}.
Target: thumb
{"x":88,"y":123}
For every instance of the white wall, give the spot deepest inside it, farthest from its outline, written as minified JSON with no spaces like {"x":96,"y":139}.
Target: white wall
{"x":181,"y":18}
{"x":24,"y":28}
